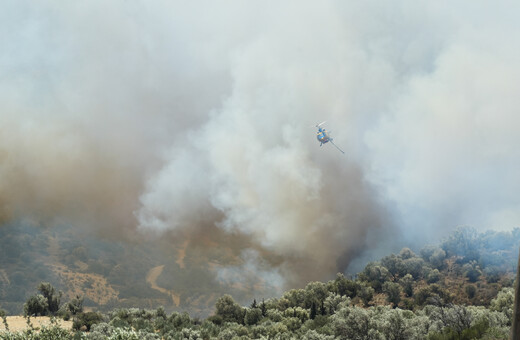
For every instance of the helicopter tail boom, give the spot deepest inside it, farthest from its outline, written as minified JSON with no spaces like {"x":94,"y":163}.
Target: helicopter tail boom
{"x":337,"y":147}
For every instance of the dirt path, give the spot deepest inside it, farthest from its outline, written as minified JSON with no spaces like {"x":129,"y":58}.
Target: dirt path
{"x":151,"y":278}
{"x":19,"y":323}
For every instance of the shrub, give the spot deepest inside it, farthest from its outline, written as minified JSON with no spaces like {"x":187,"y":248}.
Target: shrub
{"x":83,"y":321}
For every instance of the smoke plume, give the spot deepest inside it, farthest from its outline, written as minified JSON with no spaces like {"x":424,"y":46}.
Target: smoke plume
{"x":128,"y":116}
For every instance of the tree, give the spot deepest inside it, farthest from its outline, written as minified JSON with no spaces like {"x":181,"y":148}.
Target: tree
{"x":334,"y":301}
{"x":36,"y":305}
{"x":354,"y":323}
{"x":492,"y":274}
{"x":313,"y":335}
{"x":395,"y":326}
{"x":313,"y":311}
{"x":437,"y":258}
{"x":471,"y":271}
{"x":504,"y":302}
{"x":229,"y":310}
{"x":366,"y":293}
{"x":394,"y":264}
{"x":375,"y":275}
{"x":432,"y":295}
{"x":457,"y":318}
{"x":253,"y":316}
{"x":263,"y":308}
{"x":414,"y":266}
{"x":294,"y":297}
{"x":75,"y":305}
{"x":433,"y":276}
{"x":427,"y":251}
{"x":45,"y":303}
{"x":344,"y":286}
{"x":53,"y":298}
{"x":406,"y":253}
{"x":407,"y":284}
{"x":463,"y":242}
{"x":393,"y":292}
{"x":315,"y":292}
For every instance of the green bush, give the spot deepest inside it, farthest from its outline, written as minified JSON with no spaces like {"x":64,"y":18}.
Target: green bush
{"x":84,"y":321}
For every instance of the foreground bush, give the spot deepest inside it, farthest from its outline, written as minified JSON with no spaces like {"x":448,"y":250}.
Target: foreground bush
{"x":53,"y":332}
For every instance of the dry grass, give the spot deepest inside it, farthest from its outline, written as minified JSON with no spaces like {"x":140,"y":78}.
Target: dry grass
{"x":19,"y":323}
{"x":93,"y":286}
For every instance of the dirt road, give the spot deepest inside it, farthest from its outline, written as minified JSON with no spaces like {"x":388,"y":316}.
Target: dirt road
{"x":151,"y":278}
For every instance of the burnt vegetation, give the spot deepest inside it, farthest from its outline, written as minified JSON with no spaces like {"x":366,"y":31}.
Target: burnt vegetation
{"x":459,"y":289}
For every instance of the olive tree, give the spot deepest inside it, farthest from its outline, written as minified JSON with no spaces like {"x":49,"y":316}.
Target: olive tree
{"x":393,"y":292}
{"x":229,"y":310}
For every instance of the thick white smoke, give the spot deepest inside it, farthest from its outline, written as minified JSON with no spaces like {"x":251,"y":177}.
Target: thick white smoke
{"x":453,"y":155}
{"x":170,"y":116}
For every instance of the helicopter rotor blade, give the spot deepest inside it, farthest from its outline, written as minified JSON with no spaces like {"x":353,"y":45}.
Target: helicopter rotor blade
{"x":320,"y":124}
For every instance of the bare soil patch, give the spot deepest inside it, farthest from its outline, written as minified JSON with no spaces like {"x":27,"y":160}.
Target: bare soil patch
{"x":19,"y":323}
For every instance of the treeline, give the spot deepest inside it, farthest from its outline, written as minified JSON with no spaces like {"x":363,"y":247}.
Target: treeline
{"x":466,"y":268}
{"x":319,"y":311}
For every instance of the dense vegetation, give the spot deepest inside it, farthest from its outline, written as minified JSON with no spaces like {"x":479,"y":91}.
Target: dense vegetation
{"x":460,"y":289}
{"x":320,"y":311}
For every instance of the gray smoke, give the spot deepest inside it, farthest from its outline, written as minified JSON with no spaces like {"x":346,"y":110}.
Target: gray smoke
{"x":177,"y":117}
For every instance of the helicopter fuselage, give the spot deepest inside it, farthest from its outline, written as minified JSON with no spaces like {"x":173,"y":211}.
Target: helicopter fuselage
{"x":322,"y":136}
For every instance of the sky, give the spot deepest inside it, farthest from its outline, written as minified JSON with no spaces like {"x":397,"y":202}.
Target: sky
{"x":185,"y":117}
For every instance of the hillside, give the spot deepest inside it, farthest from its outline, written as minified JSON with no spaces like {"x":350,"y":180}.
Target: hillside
{"x":473,"y":267}
{"x":109,"y":273}
{"x":459,"y":289}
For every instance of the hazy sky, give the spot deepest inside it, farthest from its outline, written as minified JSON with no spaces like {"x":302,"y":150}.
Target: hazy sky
{"x":176,"y":115}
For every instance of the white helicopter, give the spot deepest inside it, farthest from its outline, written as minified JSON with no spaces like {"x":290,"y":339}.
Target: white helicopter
{"x":324,"y":136}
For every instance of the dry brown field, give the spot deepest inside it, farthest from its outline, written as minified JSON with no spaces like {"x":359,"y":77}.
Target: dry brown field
{"x":19,"y":323}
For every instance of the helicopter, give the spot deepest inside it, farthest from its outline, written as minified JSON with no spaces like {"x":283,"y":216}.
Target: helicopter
{"x":324,"y":136}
